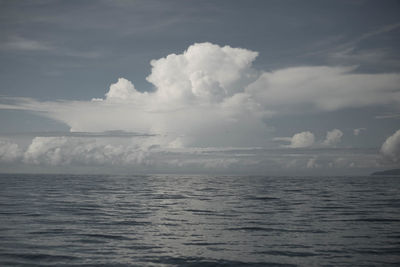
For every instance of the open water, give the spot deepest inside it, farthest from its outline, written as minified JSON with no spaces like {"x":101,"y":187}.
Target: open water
{"x":166,"y":220}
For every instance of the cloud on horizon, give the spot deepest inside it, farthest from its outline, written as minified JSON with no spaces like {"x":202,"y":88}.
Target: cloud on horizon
{"x":155,"y":154}
{"x":333,"y":137}
{"x":307,"y":139}
{"x":391,"y":147}
{"x":298,"y":140}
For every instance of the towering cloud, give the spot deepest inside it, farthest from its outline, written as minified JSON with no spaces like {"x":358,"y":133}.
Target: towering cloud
{"x":204,"y":72}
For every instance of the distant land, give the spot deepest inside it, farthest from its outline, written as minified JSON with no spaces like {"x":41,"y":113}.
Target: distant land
{"x":388,"y":172}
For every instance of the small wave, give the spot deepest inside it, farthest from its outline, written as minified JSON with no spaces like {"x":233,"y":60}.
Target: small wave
{"x":264,"y":198}
{"x":142,"y":247}
{"x":167,"y":196}
{"x":199,"y":261}
{"x":251,"y":229}
{"x":267,"y":229}
{"x":199,"y":211}
{"x":202,"y":244}
{"x":130,"y":222}
{"x":385,"y":251}
{"x":38,"y":256}
{"x":287,"y":253}
{"x":377,"y":220}
{"x":107,"y":236}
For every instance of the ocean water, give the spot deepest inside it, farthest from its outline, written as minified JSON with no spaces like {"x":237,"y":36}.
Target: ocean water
{"x":167,"y":220}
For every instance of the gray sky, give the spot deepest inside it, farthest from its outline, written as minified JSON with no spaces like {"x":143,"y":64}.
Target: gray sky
{"x":272,"y":87}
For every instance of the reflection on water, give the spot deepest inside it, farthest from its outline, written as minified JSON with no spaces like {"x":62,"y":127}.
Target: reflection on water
{"x":198,"y":220}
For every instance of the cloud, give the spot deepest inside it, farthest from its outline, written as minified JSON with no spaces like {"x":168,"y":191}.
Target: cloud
{"x":358,"y":131}
{"x":17,"y":43}
{"x":123,"y":90}
{"x":204,"y":72}
{"x":324,"y":88}
{"x":299,"y":140}
{"x":9,"y":151}
{"x":199,"y":96}
{"x":391,"y":115}
{"x":211,"y":95}
{"x":143,"y":152}
{"x":307,"y":139}
{"x":391,"y":147}
{"x":77,"y":151}
{"x":358,"y":50}
{"x":23,"y":44}
{"x":158,"y":154}
{"x":333,"y":137}
{"x":140,"y":153}
{"x":312,"y":163}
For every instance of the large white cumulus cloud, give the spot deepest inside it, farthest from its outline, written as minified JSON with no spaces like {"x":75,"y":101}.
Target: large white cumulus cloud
{"x":204,"y":71}
{"x":391,"y":147}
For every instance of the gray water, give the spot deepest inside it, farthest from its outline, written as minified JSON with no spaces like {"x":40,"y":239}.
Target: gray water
{"x":81,"y":220}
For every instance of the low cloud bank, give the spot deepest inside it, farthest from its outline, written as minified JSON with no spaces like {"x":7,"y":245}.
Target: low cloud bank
{"x":161,"y":154}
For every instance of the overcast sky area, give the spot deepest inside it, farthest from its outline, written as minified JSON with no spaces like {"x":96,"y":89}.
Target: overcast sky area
{"x":235,"y":87}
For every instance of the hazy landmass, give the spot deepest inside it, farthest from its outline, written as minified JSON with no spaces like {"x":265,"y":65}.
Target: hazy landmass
{"x":388,"y":172}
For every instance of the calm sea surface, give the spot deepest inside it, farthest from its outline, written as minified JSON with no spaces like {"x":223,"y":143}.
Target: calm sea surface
{"x":77,"y":220}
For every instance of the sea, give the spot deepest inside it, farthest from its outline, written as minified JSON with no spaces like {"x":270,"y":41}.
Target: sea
{"x":198,"y":220}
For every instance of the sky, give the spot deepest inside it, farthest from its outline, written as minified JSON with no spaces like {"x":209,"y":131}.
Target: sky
{"x":227,"y":87}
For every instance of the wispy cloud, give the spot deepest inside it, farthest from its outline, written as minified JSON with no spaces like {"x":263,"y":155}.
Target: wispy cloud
{"x":18,"y":43}
{"x":351,"y":50}
{"x":388,"y":116}
{"x":116,"y":133}
{"x":378,"y":31}
{"x":26,"y":45}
